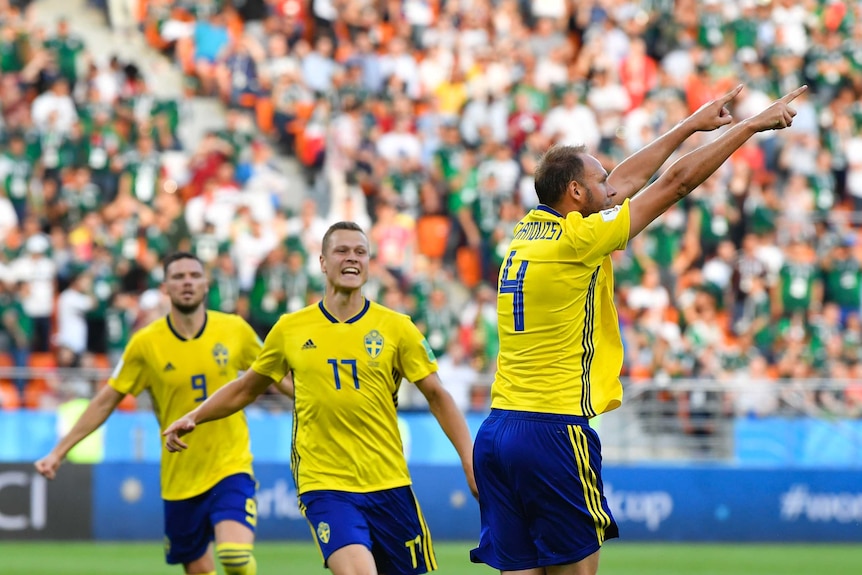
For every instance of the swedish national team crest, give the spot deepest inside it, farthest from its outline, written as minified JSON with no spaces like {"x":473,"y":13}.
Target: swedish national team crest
{"x":220,"y":355}
{"x":323,"y":532}
{"x":373,"y":343}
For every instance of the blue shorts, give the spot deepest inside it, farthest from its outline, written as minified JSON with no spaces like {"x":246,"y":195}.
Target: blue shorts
{"x":389,"y":523}
{"x":190,"y":523}
{"x":540,"y":491}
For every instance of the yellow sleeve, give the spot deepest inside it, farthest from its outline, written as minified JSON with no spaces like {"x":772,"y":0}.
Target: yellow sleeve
{"x":598,"y":235}
{"x":416,"y":360}
{"x":128,"y":375}
{"x":272,"y":361}
{"x":251,"y":343}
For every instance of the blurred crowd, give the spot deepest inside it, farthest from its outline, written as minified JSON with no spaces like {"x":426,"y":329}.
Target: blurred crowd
{"x":423,"y":120}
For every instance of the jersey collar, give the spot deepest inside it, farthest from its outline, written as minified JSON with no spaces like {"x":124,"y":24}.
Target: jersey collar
{"x":177,"y":334}
{"x":354,"y":319}
{"x":549,"y":209}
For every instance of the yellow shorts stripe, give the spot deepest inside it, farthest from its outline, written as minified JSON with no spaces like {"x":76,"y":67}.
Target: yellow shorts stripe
{"x":594,"y":481}
{"x":588,"y":481}
{"x":427,"y":544}
{"x":302,"y":509}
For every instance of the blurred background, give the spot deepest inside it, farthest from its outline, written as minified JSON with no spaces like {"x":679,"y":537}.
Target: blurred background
{"x":240,"y":130}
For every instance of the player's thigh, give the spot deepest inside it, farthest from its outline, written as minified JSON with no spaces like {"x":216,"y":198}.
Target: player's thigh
{"x":336,"y":521}
{"x":587,"y":566}
{"x":233,"y":508}
{"x":352,"y":559}
{"x":402,"y":543}
{"x":229,"y":531}
{"x":202,"y":565}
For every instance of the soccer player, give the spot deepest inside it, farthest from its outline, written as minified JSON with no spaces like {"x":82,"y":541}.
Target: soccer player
{"x":348,"y":356}
{"x":537,"y":461}
{"x":182,"y":359}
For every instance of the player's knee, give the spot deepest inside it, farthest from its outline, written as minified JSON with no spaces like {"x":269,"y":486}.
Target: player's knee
{"x":237,"y":558}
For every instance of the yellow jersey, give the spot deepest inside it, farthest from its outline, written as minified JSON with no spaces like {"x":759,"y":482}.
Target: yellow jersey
{"x":346,"y":375}
{"x":180,"y":374}
{"x":560,"y":345}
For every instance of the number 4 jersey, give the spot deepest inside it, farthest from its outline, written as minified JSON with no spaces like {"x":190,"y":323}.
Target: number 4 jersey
{"x":346,"y":375}
{"x":560,"y":346}
{"x":181,"y":373}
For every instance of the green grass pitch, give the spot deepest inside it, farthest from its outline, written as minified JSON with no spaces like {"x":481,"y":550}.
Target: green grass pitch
{"x":301,"y":559}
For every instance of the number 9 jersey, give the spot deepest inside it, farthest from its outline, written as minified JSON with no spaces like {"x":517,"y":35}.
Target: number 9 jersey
{"x":180,"y":374}
{"x":560,"y":345}
{"x":346,"y":376}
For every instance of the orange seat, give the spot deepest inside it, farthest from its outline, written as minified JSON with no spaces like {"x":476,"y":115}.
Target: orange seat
{"x":34,"y":391}
{"x":9,"y":398}
{"x":264,"y":114}
{"x":432,"y":233}
{"x":128,"y":403}
{"x":38,"y":386}
{"x":469,"y":266}
{"x":6,"y":361}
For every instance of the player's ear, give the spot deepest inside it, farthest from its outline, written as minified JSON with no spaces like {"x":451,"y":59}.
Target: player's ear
{"x":575,"y":192}
{"x":322,"y":264}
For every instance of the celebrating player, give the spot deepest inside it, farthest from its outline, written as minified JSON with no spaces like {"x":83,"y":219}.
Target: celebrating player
{"x":348,"y":356}
{"x":538,"y":462}
{"x":182,"y":359}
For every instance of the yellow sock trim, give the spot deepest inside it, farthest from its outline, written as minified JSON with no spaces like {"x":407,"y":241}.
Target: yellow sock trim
{"x":236,"y":558}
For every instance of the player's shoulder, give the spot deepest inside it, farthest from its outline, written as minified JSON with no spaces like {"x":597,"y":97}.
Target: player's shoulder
{"x":302,"y":315}
{"x":222,"y":319}
{"x":383,"y":314}
{"x":155,"y":329}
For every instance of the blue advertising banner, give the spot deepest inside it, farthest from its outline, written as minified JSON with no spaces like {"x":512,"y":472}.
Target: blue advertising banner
{"x":649,"y":503}
{"x":127,"y":504}
{"x":728,"y":504}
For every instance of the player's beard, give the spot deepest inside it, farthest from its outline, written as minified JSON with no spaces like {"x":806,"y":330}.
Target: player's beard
{"x":187,"y":309}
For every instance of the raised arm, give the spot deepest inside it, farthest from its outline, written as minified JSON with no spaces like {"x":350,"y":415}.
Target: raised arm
{"x":633,"y":173}
{"x":692,"y":169}
{"x":452,"y":422}
{"x":93,"y":417}
{"x":226,"y":401}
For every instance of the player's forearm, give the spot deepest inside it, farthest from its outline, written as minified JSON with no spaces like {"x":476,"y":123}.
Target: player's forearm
{"x":231,"y":398}
{"x":633,"y":173}
{"x":452,"y":422}
{"x":93,"y":417}
{"x":685,"y":175}
{"x":223,"y":403}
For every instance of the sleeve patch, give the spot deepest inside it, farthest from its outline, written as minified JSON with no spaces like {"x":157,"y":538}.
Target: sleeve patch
{"x":428,"y":350}
{"x":610,"y":214}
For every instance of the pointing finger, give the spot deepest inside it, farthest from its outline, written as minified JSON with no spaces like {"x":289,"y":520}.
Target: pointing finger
{"x":731,"y":95}
{"x":787,"y":98}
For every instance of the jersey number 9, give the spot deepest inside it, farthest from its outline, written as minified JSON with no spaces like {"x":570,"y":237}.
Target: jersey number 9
{"x":199,"y":382}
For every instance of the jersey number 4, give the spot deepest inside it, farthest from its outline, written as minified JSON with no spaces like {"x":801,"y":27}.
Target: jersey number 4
{"x":516,"y":288}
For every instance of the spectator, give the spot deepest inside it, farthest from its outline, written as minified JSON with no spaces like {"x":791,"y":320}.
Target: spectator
{"x":72,"y":306}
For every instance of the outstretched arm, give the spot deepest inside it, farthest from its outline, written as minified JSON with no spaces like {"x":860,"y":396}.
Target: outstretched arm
{"x":692,"y":169}
{"x":93,"y":417}
{"x":224,"y":402}
{"x":633,"y":173}
{"x":452,"y":422}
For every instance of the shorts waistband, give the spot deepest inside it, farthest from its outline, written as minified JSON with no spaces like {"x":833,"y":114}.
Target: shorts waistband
{"x":538,"y":416}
